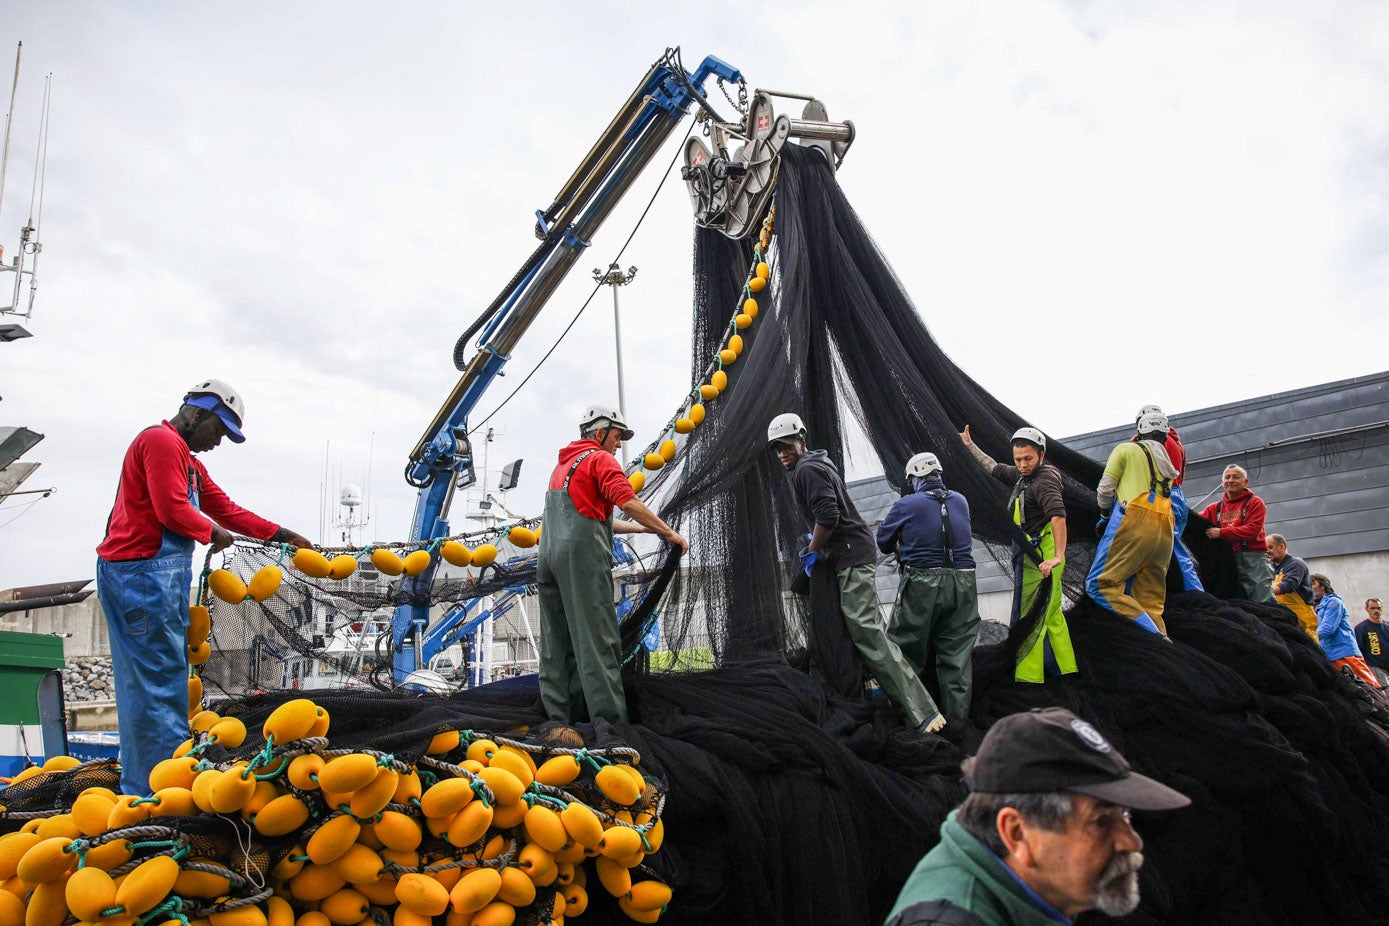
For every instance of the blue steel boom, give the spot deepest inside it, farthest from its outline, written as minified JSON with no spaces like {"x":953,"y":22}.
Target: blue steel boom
{"x":728,"y":192}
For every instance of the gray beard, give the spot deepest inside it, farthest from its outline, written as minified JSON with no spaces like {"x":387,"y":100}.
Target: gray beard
{"x":1116,"y":893}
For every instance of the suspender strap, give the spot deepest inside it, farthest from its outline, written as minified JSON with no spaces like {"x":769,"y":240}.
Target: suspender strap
{"x":1155,"y":485}
{"x":570,"y":475}
{"x":947,"y":536}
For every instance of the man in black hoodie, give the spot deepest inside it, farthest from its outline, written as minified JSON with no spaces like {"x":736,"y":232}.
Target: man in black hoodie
{"x":841,"y":540}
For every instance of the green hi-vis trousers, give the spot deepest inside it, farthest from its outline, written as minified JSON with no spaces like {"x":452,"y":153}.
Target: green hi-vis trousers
{"x":580,"y":647}
{"x":1051,"y":631}
{"x":858,"y":601}
{"x":939,"y":608}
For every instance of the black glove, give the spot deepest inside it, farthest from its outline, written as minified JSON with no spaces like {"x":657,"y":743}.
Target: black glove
{"x":1101,"y":526}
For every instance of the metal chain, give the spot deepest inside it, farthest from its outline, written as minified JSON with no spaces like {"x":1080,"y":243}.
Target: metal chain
{"x":741,"y":104}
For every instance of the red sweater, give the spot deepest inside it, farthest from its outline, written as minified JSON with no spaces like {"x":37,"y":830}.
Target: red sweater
{"x":598,"y":485}
{"x":153,"y":495}
{"x":1241,"y":521}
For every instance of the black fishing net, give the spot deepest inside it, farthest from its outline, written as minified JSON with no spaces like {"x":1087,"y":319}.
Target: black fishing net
{"x":792,"y":798}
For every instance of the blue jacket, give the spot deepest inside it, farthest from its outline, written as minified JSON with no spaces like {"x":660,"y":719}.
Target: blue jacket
{"x":1333,"y":628}
{"x":912,"y":527}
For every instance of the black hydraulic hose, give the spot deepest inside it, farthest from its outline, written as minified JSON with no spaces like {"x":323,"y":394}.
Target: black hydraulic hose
{"x":460,"y":348}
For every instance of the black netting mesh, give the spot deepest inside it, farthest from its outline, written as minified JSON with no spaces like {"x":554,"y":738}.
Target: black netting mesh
{"x":789,"y":803}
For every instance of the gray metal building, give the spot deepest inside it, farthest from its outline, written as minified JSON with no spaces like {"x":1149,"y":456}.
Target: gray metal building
{"x":1318,"y":457}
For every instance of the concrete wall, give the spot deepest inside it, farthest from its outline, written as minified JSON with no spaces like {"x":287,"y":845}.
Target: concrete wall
{"x":1355,"y":577}
{"x":84,"y":622}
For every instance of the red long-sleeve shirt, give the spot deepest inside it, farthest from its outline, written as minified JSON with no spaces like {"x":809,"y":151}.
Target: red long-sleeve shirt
{"x":599,"y":483}
{"x":1241,"y":521}
{"x":153,"y":495}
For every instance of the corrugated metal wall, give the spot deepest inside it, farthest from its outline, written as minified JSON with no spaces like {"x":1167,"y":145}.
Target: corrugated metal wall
{"x":1318,"y":457}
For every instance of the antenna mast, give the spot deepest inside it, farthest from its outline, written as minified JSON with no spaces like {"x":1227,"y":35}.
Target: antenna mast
{"x":9,"y":120}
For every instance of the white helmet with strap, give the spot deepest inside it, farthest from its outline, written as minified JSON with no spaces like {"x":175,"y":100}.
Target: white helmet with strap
{"x":786,"y":427}
{"x":1153,"y":421}
{"x":923,"y":464}
{"x":1031,"y":436}
{"x":597,"y":417}
{"x":1148,"y":410}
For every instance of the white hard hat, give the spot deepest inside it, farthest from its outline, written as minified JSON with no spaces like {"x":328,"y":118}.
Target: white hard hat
{"x":229,"y":396}
{"x":786,"y":427}
{"x":923,"y":464}
{"x":1148,"y":410}
{"x":603,"y":416}
{"x":1153,"y":421}
{"x":223,"y":401}
{"x":1032,"y":436}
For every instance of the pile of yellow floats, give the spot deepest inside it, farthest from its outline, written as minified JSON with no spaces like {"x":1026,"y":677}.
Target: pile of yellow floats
{"x":693,"y":416}
{"x":484,"y":831}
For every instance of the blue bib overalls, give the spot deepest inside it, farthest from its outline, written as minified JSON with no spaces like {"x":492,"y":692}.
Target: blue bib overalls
{"x":146,"y":605}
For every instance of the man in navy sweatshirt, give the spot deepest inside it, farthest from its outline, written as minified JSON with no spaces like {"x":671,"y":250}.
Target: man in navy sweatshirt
{"x":841,"y":540}
{"x":937,"y":600}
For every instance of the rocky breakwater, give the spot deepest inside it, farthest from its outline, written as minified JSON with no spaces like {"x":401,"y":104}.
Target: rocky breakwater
{"x":89,"y":679}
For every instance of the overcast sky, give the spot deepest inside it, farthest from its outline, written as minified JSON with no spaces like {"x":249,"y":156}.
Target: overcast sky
{"x":312,"y":200}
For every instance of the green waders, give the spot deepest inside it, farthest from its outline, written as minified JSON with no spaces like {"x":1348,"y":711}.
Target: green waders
{"x":1028,"y":582}
{"x":580,"y":648}
{"x":1255,"y":576}
{"x":939,"y":607}
{"x":858,"y":601}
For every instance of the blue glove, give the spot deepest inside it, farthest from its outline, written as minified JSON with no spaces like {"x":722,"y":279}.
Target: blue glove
{"x":808,"y":560}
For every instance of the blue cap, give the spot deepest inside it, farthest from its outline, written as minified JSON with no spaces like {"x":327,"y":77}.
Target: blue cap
{"x":219,"y":408}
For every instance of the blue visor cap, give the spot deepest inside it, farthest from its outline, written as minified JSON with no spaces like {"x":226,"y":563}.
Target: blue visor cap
{"x":214,"y":404}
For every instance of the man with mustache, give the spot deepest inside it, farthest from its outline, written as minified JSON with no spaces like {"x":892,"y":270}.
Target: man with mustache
{"x":1238,"y":516}
{"x":1044,"y":835}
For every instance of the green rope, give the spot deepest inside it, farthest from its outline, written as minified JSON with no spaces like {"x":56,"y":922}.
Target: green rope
{"x":173,"y":908}
{"x":645,"y":629}
{"x":583,"y":755}
{"x":157,"y":843}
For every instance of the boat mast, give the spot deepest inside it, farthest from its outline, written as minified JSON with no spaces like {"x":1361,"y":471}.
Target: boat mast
{"x":9,"y":120}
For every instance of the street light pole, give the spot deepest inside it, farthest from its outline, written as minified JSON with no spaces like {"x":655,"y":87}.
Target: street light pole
{"x":615,"y":277}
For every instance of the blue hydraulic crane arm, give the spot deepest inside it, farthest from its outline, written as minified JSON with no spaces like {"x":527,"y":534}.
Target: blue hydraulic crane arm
{"x":458,"y":623}
{"x":443,"y":453}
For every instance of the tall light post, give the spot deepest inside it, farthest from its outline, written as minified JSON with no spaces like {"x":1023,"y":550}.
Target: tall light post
{"x":615,"y":277}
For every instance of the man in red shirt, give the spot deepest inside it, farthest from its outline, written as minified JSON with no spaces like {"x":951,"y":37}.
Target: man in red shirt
{"x":144,"y":568}
{"x":1239,"y":519}
{"x":580,"y":648}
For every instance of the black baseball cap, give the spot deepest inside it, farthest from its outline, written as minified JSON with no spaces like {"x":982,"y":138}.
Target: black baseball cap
{"x":1051,"y":749}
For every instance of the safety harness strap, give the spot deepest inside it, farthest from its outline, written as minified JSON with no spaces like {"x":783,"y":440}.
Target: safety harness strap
{"x":570,"y":475}
{"x":1155,"y":484}
{"x":947,"y":536}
